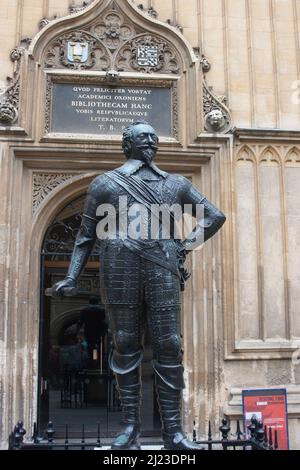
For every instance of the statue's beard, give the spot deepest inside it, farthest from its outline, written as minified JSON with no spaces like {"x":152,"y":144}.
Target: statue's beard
{"x":148,"y":154}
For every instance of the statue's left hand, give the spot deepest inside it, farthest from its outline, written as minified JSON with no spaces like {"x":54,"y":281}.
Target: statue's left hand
{"x":65,"y":288}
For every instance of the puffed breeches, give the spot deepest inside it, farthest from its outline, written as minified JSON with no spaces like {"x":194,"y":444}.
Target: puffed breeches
{"x":129,"y":279}
{"x":137,"y":292}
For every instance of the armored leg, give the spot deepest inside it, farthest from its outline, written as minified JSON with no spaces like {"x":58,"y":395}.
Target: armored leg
{"x":126,"y":325}
{"x":166,"y":338}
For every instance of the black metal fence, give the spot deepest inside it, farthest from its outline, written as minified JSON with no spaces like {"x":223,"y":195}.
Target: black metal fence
{"x":258,"y":437}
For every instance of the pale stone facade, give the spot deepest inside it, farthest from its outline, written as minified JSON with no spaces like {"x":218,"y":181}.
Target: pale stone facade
{"x":241,"y":310}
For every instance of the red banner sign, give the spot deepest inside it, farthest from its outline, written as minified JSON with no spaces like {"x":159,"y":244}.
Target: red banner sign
{"x":270,"y":407}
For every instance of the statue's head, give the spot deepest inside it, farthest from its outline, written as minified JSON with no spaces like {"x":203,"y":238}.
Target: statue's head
{"x":140,"y":141}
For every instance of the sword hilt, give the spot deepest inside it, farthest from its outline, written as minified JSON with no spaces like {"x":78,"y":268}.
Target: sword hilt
{"x":66,"y":292}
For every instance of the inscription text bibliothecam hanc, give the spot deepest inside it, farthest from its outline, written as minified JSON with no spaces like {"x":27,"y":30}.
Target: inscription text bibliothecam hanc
{"x":109,"y":110}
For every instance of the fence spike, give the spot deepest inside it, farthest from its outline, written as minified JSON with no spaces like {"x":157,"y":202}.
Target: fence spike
{"x":21,"y":429}
{"x":265,"y":438}
{"x":210,"y":446}
{"x":252,"y":427}
{"x":83,"y":438}
{"x":238,"y":430}
{"x":17,"y":435}
{"x":194,"y":432}
{"x":259,"y":435}
{"x":224,"y":429}
{"x":276,"y":445}
{"x":67,"y":437}
{"x":50,"y":432}
{"x":35,"y":434}
{"x":98,"y":436}
{"x":270,"y":439}
{"x":209,"y":431}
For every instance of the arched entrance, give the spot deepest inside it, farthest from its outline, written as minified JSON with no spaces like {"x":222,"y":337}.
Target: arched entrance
{"x":76,"y":386}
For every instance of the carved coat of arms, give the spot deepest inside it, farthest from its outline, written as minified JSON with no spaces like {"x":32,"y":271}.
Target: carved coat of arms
{"x":147,"y":56}
{"x":77,"y":51}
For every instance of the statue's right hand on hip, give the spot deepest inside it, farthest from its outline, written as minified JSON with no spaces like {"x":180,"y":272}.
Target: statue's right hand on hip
{"x":65,"y":288}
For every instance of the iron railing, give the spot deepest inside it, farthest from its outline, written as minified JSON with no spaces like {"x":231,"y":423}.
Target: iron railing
{"x":258,"y":437}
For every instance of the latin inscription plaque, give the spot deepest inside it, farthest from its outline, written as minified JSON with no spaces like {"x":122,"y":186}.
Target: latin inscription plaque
{"x":92,"y":109}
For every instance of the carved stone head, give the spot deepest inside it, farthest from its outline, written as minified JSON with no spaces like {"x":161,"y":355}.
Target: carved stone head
{"x":8,"y":113}
{"x":112,"y":76}
{"x":215,"y":120}
{"x":140,"y":141}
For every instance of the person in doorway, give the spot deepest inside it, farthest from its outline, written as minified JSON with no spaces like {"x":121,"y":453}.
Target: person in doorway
{"x":141,"y":279}
{"x":92,"y":319}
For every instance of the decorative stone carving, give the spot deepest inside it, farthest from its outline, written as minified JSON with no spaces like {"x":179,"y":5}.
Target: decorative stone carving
{"x":150,"y":11}
{"x":114,"y":43}
{"x":112,"y":30}
{"x":215,"y":120}
{"x":73,"y":9}
{"x":48,"y":104}
{"x":45,"y":21}
{"x":77,"y":8}
{"x":293,"y":157}
{"x":175,"y":25}
{"x":9,"y":102}
{"x":60,"y":52}
{"x":16,"y":54}
{"x":147,"y":56}
{"x":270,"y":156}
{"x":175,"y":111}
{"x":159,"y":56}
{"x":8,"y":113}
{"x":206,"y":65}
{"x":217,"y":117}
{"x":44,"y":184}
{"x":113,"y":76}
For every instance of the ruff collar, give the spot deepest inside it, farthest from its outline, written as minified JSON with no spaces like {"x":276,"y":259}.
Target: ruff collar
{"x":132,"y":166}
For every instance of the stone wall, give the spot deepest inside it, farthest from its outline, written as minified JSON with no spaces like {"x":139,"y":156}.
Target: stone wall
{"x":254,"y":46}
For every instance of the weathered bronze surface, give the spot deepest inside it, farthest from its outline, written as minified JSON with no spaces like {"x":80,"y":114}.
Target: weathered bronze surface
{"x":141,"y":280}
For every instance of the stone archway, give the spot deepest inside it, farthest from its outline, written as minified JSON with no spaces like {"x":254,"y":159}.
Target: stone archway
{"x":49,"y":208}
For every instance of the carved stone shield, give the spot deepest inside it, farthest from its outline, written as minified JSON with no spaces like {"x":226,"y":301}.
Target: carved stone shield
{"x":77,"y":51}
{"x":147,"y":56}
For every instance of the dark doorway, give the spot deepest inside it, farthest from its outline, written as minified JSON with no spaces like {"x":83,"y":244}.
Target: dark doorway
{"x":76,"y":386}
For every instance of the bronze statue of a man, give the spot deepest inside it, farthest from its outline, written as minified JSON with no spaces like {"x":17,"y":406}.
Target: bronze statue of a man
{"x":141,"y":279}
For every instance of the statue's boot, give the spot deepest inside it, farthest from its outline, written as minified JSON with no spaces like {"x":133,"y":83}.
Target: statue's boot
{"x":128,"y":377}
{"x":169,"y":386}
